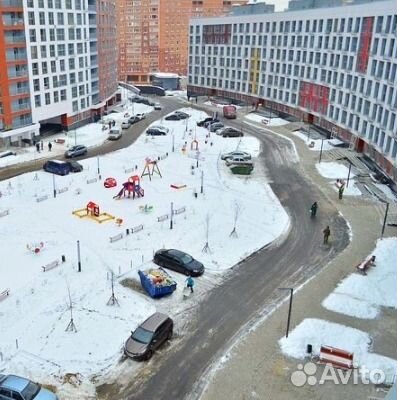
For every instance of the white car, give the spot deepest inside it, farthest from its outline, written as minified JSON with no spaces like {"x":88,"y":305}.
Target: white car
{"x":157,"y":106}
{"x":141,"y":115}
{"x":236,"y":160}
{"x":125,"y":124}
{"x":236,"y":153}
{"x":160,"y":128}
{"x":114,"y":134}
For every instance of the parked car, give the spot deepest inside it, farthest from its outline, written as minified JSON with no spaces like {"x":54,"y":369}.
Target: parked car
{"x":172,"y":117}
{"x":182,"y":114}
{"x":215,"y":126}
{"x":212,"y":121}
{"x":140,"y":116}
{"x":15,"y":387}
{"x":229,"y":132}
{"x":178,"y":261}
{"x":149,"y":336}
{"x":7,"y":154}
{"x":155,"y":132}
{"x":238,"y":160}
{"x":75,"y":166}
{"x":236,"y":153}
{"x":157,"y":106}
{"x":176,"y":116}
{"x":134,"y":119}
{"x":76,"y":151}
{"x":57,"y":167}
{"x":115,"y":134}
{"x":125,"y":124}
{"x":160,"y":127}
{"x":208,"y":119}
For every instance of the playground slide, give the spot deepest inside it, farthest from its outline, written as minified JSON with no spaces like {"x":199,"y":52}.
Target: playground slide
{"x":118,"y":195}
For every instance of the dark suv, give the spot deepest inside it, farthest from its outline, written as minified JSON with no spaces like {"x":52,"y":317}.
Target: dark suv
{"x":149,"y":336}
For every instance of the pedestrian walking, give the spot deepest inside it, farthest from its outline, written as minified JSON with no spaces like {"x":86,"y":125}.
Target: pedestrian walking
{"x":327,"y":233}
{"x":190,"y":283}
{"x":313,"y":209}
{"x":341,"y":189}
{"x":41,"y":145}
{"x":49,"y":146}
{"x":196,"y":99}
{"x":38,"y":147}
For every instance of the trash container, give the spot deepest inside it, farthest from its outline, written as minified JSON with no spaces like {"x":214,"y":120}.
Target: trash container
{"x":309,"y":349}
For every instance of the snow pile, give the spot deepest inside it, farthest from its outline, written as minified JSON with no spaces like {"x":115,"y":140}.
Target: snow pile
{"x":318,"y":332}
{"x":362,"y":296}
{"x":315,"y":144}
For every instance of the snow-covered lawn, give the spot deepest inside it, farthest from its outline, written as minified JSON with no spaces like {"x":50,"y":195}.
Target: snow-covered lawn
{"x":362,"y":296}
{"x":333,"y":170}
{"x":266,"y":120}
{"x":319,"y":332}
{"x":315,"y":144}
{"x":33,"y":319}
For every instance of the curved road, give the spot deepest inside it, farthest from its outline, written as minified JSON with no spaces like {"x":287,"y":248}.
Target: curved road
{"x":177,"y":373}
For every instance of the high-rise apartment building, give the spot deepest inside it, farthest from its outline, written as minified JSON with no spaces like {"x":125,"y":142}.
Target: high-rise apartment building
{"x":335,"y":67}
{"x":153,"y":34}
{"x":58,"y":64}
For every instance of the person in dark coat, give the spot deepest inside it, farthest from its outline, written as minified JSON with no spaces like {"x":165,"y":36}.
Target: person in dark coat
{"x":341,"y":189}
{"x":313,"y":209}
{"x":38,"y":147}
{"x":190,"y":283}
{"x":327,"y":233}
{"x":49,"y":146}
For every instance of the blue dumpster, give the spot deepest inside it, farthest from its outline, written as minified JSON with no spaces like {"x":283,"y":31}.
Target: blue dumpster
{"x":156,"y":282}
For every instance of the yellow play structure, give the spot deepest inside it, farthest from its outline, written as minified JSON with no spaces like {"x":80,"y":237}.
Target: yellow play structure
{"x":92,"y":211}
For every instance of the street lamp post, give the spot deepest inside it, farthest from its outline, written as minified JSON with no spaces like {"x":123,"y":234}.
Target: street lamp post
{"x":321,"y":150}
{"x":348,"y":175}
{"x":385,"y":220}
{"x":291,"y":290}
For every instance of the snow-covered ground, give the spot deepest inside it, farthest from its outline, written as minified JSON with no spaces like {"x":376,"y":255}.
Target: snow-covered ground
{"x":334,"y":171}
{"x":34,"y":317}
{"x":319,"y":332}
{"x":315,"y":144}
{"x":362,"y":296}
{"x":90,"y":135}
{"x":266,"y":120}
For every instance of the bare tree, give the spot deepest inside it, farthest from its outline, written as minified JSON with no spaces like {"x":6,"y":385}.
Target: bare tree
{"x":71,"y":326}
{"x":237,"y":212}
{"x":113,"y":300}
{"x":206,"y":248}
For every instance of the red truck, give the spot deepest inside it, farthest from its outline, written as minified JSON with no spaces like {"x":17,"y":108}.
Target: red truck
{"x":229,"y":112}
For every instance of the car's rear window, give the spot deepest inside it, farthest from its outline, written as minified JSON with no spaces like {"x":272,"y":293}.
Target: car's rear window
{"x":30,"y":391}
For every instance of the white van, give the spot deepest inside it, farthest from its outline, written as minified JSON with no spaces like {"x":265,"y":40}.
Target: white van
{"x":114,"y":134}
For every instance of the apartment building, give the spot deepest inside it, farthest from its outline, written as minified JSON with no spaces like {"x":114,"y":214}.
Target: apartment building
{"x":153,"y":34}
{"x":335,"y":67}
{"x":58,"y":64}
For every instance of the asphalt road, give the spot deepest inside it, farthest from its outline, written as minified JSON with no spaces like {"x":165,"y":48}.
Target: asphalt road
{"x":180,"y":372}
{"x":129,"y":136}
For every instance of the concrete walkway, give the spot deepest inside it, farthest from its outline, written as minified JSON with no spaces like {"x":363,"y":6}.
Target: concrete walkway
{"x":257,"y":369}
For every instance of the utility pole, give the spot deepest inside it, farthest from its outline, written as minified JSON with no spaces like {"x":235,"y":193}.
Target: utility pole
{"x":99,"y":171}
{"x":321,"y":150}
{"x":53,"y":186}
{"x":291,"y":290}
{"x":202,"y":182}
{"x":385,"y":220}
{"x":172,"y":216}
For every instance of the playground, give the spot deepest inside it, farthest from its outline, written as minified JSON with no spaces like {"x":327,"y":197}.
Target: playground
{"x":69,"y":235}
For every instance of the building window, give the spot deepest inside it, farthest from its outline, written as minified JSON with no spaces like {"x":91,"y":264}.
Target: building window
{"x":37,"y":100}
{"x":47,"y":99}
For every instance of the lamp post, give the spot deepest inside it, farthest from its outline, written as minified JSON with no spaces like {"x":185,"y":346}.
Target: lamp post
{"x":78,"y":256}
{"x":291,"y":290}
{"x":321,"y":150}
{"x":348,"y":175}
{"x":99,"y":171}
{"x":385,"y":220}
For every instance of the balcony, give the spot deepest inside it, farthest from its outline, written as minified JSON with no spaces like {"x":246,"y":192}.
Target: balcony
{"x":12,"y":3}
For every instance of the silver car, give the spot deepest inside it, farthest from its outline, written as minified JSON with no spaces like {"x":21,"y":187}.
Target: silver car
{"x":76,"y":151}
{"x":236,"y":153}
{"x":15,"y":387}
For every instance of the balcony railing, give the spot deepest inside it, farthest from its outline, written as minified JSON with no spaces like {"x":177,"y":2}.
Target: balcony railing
{"x":12,"y":3}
